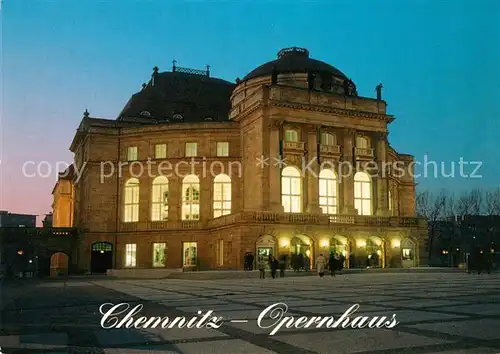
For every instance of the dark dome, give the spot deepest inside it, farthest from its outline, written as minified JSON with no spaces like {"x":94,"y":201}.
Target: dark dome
{"x":295,"y":60}
{"x":181,"y":96}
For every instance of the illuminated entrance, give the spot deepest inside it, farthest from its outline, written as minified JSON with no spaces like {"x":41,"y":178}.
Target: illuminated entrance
{"x":407,"y":253}
{"x":302,"y":246}
{"x":101,"y":258}
{"x":340,"y":246}
{"x":374,"y":252}
{"x":265,"y":247}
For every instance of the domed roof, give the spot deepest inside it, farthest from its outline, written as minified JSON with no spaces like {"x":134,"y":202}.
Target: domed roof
{"x":295,"y":60}
{"x":184,"y":95}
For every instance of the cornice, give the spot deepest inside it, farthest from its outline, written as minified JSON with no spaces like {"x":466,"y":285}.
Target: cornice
{"x":339,"y":111}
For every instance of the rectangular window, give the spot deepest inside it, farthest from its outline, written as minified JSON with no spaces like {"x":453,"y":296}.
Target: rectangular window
{"x":222,"y":149}
{"x":328,"y":139}
{"x":190,"y":254}
{"x":191,"y":149}
{"x":220,"y":253}
{"x":130,"y":255}
{"x":132,"y":153}
{"x":159,"y":257}
{"x":161,"y":151}
{"x":291,"y":135}
{"x":361,"y":142}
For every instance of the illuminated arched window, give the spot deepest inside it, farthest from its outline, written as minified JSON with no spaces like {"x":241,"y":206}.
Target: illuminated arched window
{"x":131,"y":201}
{"x":222,"y":195}
{"x":391,"y":205}
{"x":291,"y":135}
{"x":291,"y":190}
{"x":328,"y":139}
{"x":362,"y":193}
{"x":191,"y":198}
{"x":159,"y":199}
{"x":328,"y":191}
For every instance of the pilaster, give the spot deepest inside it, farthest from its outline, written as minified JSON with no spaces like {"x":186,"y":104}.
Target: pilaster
{"x":206,"y":211}
{"x":175,"y":198}
{"x":382,"y":181}
{"x":311,"y":178}
{"x":347,"y":170}
{"x":274,"y":170}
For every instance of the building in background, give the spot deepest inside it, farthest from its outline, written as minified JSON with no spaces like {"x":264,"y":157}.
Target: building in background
{"x":63,"y":199}
{"x":456,"y":237}
{"x":16,"y":220}
{"x":236,"y":182}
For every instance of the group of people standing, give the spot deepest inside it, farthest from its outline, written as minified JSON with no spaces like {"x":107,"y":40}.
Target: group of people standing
{"x":274,"y":264}
{"x":335,"y":263}
{"x":248,"y":261}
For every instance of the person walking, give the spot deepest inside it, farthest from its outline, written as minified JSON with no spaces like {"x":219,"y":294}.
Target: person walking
{"x":332,"y":264}
{"x":320,"y":265}
{"x":274,"y":267}
{"x":262,"y":267}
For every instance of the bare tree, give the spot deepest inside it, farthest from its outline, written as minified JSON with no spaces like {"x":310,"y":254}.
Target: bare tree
{"x":431,"y":207}
{"x":492,"y":202}
{"x":469,"y":203}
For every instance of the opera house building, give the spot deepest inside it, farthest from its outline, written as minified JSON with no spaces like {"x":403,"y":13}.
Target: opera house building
{"x":197,"y":172}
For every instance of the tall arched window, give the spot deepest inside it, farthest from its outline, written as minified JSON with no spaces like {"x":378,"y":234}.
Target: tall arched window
{"x":389,"y":197}
{"x":159,"y":199}
{"x":328,"y":191}
{"x":291,"y":190}
{"x":362,"y":193}
{"x":328,"y":139}
{"x":291,"y":135}
{"x":131,"y":201}
{"x":222,"y":195}
{"x":191,"y":198}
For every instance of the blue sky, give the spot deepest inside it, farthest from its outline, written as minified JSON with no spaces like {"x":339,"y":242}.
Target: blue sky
{"x":438,"y":61}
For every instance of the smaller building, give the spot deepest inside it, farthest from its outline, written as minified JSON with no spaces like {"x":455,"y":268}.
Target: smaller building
{"x":16,"y":220}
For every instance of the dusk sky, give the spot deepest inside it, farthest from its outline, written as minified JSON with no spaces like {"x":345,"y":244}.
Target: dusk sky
{"x":439,"y":62}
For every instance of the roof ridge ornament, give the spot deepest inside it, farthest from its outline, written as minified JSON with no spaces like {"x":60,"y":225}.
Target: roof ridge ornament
{"x":295,"y":51}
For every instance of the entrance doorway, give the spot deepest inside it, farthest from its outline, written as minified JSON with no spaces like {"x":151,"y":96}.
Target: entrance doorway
{"x":265,"y":246}
{"x":339,"y":246}
{"x":301,"y":248}
{"x":374,"y":252}
{"x":101,"y":258}
{"x":407,"y":253}
{"x":265,"y":253}
{"x":59,"y":264}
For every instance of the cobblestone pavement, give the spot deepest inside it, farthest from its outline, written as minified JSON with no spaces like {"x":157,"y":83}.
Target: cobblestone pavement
{"x":437,"y":313}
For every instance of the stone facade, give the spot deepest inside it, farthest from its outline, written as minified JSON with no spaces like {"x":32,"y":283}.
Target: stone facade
{"x":261,"y":113}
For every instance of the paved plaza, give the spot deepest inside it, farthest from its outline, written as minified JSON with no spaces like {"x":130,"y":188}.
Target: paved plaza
{"x":437,"y":313}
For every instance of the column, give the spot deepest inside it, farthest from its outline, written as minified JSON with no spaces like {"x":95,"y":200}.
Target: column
{"x":274,"y":170}
{"x":382,"y":181}
{"x":348,"y":171}
{"x":206,"y":200}
{"x":174,"y":198}
{"x":311,"y":178}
